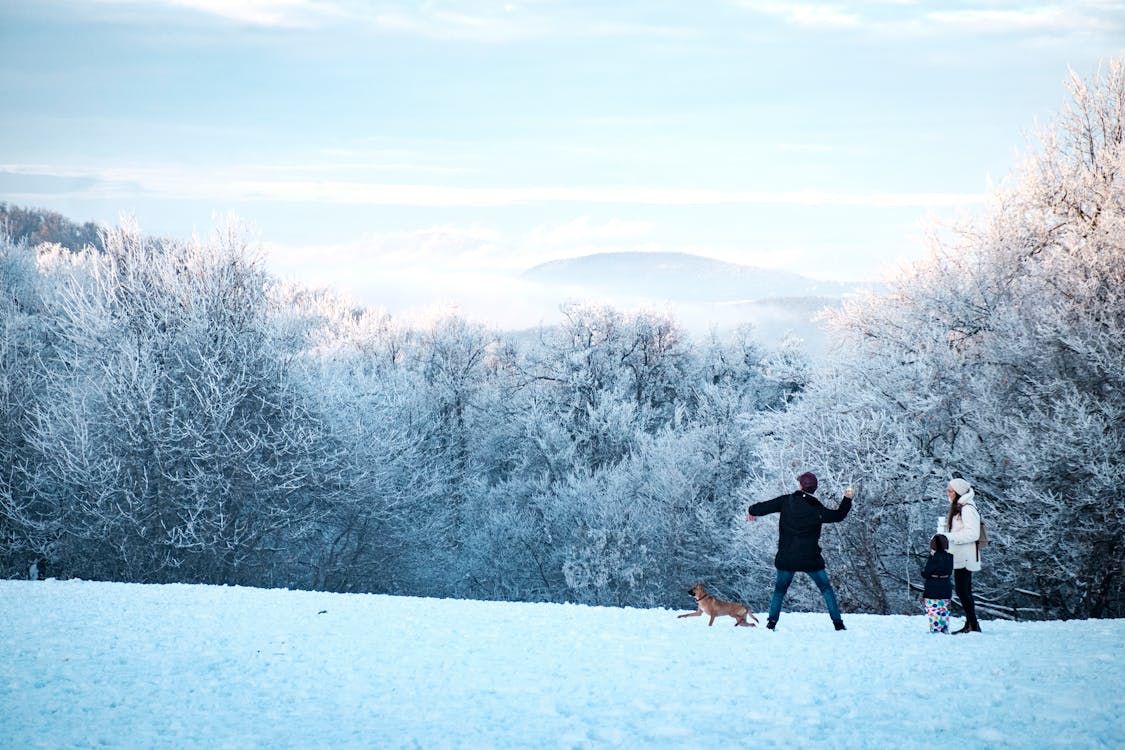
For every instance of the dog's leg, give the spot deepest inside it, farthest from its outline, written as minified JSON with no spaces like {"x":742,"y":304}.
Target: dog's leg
{"x":696,"y":613}
{"x":712,"y":621}
{"x":743,"y":613}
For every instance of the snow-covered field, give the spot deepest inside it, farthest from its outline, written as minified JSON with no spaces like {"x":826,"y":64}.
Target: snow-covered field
{"x":130,"y":666}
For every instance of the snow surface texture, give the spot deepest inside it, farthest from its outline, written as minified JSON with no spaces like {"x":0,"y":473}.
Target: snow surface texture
{"x":122,"y":665}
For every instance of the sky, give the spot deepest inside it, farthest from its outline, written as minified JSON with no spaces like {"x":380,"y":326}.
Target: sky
{"x":116,"y":665}
{"x":407,"y":152}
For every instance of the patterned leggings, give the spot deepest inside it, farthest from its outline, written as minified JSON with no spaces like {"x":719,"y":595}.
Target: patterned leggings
{"x":937,"y":611}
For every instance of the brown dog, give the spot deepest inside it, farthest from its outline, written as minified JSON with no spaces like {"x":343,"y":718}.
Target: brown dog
{"x":716,"y":607}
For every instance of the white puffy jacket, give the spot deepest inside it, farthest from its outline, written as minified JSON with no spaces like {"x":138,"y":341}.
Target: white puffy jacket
{"x":964,"y":534}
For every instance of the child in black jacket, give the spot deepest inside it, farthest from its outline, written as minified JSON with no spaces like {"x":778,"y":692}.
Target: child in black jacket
{"x":937,"y":575}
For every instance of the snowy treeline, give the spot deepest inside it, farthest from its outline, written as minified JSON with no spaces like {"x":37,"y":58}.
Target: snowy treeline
{"x":170,"y":413}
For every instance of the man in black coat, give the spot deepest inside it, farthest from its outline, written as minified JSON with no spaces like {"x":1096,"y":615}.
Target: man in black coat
{"x":798,"y":542}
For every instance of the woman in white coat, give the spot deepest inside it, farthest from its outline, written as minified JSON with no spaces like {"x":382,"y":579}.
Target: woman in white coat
{"x":962,"y":526}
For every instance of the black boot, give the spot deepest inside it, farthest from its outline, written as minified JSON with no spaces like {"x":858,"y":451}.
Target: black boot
{"x":975,"y":627}
{"x":966,"y":628}
{"x":839,"y":624}
{"x":771,"y":624}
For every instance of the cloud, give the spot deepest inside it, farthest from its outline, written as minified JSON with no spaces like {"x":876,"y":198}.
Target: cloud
{"x":481,"y":22}
{"x":1017,"y":20}
{"x":438,"y":250}
{"x":470,"y":270}
{"x":809,"y":148}
{"x":919,"y":17}
{"x":463,"y":20}
{"x":262,"y":13}
{"x":473,"y":21}
{"x":257,"y":12}
{"x":804,"y":14}
{"x":1082,"y":22}
{"x":583,"y":230}
{"x":359,"y":193}
{"x":505,"y":23}
{"x":232,"y":185}
{"x":452,"y":251}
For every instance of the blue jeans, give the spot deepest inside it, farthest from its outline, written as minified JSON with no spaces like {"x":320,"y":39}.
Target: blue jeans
{"x":819,"y":577}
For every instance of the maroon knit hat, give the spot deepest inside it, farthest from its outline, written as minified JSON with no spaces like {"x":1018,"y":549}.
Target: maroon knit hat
{"x":807,"y":481}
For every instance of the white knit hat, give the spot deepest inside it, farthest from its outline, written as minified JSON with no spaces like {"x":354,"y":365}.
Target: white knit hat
{"x":960,"y":486}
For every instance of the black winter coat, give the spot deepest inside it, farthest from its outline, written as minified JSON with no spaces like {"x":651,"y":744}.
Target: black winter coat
{"x":798,"y":531}
{"x":938,"y":576}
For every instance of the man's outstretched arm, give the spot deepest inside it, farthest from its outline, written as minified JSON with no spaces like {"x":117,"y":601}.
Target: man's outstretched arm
{"x":764,"y":508}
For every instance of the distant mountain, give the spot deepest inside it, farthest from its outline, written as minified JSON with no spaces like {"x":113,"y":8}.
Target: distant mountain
{"x":704,"y":294}
{"x":680,"y":277}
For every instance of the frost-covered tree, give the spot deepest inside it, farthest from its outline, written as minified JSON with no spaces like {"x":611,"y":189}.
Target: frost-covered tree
{"x":26,"y":342}
{"x":613,"y":376}
{"x":378,"y":535}
{"x":609,"y":497}
{"x":173,"y":441}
